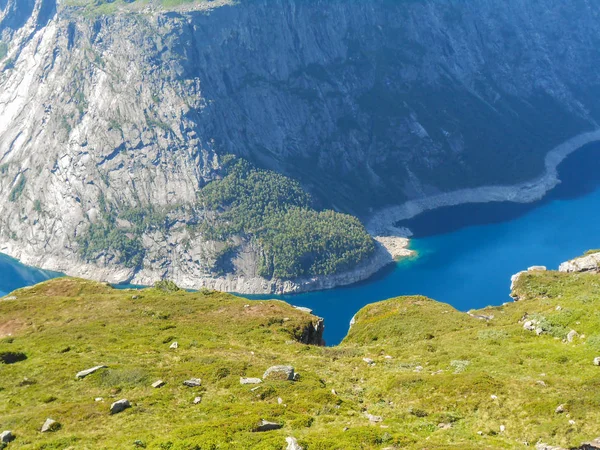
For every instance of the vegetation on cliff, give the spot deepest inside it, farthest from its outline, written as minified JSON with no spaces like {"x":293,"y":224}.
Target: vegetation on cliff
{"x":411,"y":373}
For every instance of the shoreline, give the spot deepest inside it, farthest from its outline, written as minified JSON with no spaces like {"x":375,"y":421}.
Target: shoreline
{"x":392,"y":242}
{"x":382,"y":222}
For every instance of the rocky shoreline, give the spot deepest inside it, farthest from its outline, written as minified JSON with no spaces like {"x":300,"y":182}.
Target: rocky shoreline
{"x":392,"y":242}
{"x":382,"y":222}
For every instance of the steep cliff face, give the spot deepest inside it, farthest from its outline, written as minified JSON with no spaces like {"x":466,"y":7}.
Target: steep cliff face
{"x":367,"y":103}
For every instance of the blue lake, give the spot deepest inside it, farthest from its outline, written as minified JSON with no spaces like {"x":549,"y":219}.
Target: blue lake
{"x":467,"y":253}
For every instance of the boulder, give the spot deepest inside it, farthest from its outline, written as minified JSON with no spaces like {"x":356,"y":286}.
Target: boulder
{"x":85,"y":373}
{"x":292,"y":444}
{"x":280,"y":373}
{"x":50,"y":425}
{"x":572,"y":335}
{"x":250,"y":380}
{"x":119,"y":406}
{"x":193,"y":382}
{"x":268,"y":426}
{"x":7,"y":436}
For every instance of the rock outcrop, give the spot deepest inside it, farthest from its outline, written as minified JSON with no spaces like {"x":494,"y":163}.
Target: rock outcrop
{"x":411,"y":100}
{"x":586,"y":263}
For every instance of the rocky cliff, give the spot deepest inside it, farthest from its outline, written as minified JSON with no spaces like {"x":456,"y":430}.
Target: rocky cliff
{"x":368,"y":104}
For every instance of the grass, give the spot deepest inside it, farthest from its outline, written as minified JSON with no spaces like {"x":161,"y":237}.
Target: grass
{"x":433,"y":365}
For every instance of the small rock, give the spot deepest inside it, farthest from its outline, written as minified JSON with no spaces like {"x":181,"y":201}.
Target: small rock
{"x":98,"y":399}
{"x":280,"y":401}
{"x":85,"y":373}
{"x":369,"y":361}
{"x":193,"y":382}
{"x":539,"y":331}
{"x":529,"y":325}
{"x":250,"y":381}
{"x":174,"y":345}
{"x":334,"y":392}
{"x":6,"y":437}
{"x":280,"y":373}
{"x":135,"y":297}
{"x":571,"y":422}
{"x":502,"y":428}
{"x":560,"y":409}
{"x":50,"y":425}
{"x":292,"y":444}
{"x":480,"y":433}
{"x":197,"y":400}
{"x":373,"y":419}
{"x":597,"y":361}
{"x":418,"y":369}
{"x":572,"y":335}
{"x":388,"y":357}
{"x":494,"y":397}
{"x":559,"y":308}
{"x":268,"y":426}
{"x":541,"y":383}
{"x":119,"y":406}
{"x":444,"y":426}
{"x":255,"y":389}
{"x":158,"y":384}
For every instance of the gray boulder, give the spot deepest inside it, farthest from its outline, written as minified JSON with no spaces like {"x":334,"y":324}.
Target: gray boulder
{"x":268,"y":426}
{"x":50,"y":425}
{"x":85,"y":373}
{"x":6,"y":437}
{"x":193,"y":382}
{"x":292,"y":444}
{"x":119,"y":406}
{"x":280,"y":373}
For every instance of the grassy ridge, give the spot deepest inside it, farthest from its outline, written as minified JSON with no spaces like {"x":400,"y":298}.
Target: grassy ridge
{"x":432,"y":366}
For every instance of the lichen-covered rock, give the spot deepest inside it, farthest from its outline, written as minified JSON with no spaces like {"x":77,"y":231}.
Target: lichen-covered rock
{"x":120,"y":406}
{"x":279,"y":373}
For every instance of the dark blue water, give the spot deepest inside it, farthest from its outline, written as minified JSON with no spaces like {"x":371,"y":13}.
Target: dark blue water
{"x":467,"y":253}
{"x":14,"y":275}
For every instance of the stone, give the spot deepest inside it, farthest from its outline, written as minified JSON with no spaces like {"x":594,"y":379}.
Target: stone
{"x":303,"y":309}
{"x":50,"y":425}
{"x":98,"y":399}
{"x":369,"y":361}
{"x":373,"y":419}
{"x":494,"y":397}
{"x":174,"y":346}
{"x":444,"y":426}
{"x":541,"y":383}
{"x":158,"y":384}
{"x":572,"y":335}
{"x":197,"y":400}
{"x":280,"y":401}
{"x":292,"y":444}
{"x":85,"y":373}
{"x":560,"y":409}
{"x":537,"y":269}
{"x":250,"y":381}
{"x":597,"y":361}
{"x":193,"y":382}
{"x":279,"y":373}
{"x":268,"y":426}
{"x":119,"y":406}
{"x":7,"y":437}
{"x":571,"y":422}
{"x":530,"y":325}
{"x":502,"y":428}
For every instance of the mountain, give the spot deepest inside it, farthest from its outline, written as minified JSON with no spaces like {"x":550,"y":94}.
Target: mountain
{"x":411,"y":373}
{"x":131,"y":130}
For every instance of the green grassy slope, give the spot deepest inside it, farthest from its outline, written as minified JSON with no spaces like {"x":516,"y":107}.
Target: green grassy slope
{"x":432,"y":366}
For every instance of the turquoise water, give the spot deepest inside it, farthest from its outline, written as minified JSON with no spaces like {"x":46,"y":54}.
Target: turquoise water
{"x":467,"y":253}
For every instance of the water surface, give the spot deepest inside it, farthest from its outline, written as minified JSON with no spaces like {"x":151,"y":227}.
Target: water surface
{"x":467,"y":253}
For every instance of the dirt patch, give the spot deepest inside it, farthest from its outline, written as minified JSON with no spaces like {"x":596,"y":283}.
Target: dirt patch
{"x":10,"y":328}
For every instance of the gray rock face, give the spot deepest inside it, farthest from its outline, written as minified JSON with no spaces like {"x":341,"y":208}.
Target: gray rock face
{"x":587,"y":263}
{"x":73,"y":141}
{"x":6,"y":437}
{"x":292,"y":444}
{"x":85,"y":373}
{"x":50,"y":425}
{"x":279,"y":373}
{"x":193,"y":382}
{"x":250,"y":381}
{"x":119,"y":406}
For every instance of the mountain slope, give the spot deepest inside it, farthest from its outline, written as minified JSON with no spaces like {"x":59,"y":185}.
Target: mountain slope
{"x":109,"y":107}
{"x":433,"y":376}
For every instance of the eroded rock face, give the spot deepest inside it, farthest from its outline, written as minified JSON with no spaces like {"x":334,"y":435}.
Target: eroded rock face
{"x":125,"y":111}
{"x":587,"y":263}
